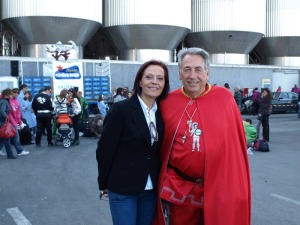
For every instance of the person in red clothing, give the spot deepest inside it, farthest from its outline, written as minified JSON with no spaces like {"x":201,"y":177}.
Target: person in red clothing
{"x":15,"y":120}
{"x":205,"y":176}
{"x":278,"y":89}
{"x":295,"y":89}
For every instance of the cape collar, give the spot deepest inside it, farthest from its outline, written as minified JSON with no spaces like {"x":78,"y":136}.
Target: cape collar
{"x":208,"y":88}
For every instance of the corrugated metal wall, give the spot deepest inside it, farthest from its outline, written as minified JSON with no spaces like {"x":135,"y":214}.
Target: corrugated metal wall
{"x":60,"y":8}
{"x":166,"y":12}
{"x":282,"y":18}
{"x":234,"y":15}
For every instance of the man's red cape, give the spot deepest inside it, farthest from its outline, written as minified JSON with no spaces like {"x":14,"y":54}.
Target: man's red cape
{"x":227,"y":191}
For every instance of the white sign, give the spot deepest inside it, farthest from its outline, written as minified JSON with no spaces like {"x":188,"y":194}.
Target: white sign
{"x":67,"y":75}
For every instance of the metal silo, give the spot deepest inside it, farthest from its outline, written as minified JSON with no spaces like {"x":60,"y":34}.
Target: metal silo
{"x":37,"y":23}
{"x":281,"y":44}
{"x":145,"y":29}
{"x":227,"y":29}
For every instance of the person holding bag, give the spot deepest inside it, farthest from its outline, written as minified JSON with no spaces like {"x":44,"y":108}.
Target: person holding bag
{"x":4,"y":111}
{"x":15,"y":119}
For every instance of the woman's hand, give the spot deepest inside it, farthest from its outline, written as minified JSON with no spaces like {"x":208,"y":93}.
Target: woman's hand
{"x":103,"y":193}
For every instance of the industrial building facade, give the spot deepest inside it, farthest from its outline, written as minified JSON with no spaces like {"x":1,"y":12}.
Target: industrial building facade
{"x":251,"y":43}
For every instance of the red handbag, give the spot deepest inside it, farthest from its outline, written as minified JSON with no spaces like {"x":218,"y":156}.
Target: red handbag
{"x":7,"y":130}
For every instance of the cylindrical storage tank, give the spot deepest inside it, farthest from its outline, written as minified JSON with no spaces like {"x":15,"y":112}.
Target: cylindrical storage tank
{"x":281,"y":44}
{"x":227,"y":29}
{"x":146,"y":29}
{"x":37,"y":24}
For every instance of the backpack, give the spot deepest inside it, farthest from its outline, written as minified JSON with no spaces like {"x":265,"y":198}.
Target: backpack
{"x":261,"y":146}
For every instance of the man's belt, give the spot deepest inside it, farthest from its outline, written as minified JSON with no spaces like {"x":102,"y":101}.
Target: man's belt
{"x":43,"y":111}
{"x":185,"y":176}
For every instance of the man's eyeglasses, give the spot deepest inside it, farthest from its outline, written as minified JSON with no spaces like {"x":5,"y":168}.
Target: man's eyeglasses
{"x":153,"y":131}
{"x":16,"y":92}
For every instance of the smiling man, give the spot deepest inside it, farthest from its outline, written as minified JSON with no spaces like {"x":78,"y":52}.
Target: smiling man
{"x":205,"y":173}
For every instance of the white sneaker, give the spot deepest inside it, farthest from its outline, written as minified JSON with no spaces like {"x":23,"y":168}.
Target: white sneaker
{"x":24,"y":153}
{"x":2,"y":153}
{"x":250,"y":151}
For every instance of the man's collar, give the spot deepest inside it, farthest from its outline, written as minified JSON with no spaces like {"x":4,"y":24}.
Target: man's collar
{"x":208,"y":88}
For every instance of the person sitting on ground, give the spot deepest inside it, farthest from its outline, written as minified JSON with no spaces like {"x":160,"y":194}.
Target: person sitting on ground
{"x":97,"y":125}
{"x":250,"y":131}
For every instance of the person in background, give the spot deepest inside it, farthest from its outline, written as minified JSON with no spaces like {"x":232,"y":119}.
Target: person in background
{"x":251,"y":135}
{"x":205,"y":176}
{"x":95,"y":126}
{"x":127,"y":153}
{"x":101,"y":106}
{"x":238,"y":96}
{"x":226,"y":85}
{"x":278,"y":89}
{"x":42,"y":106}
{"x":15,"y":120}
{"x":295,"y":89}
{"x":265,"y":104}
{"x":129,"y":95}
{"x":255,"y":99}
{"x":4,"y":112}
{"x":27,"y":112}
{"x":84,"y":106}
{"x":73,"y":102}
{"x":298,"y":105}
{"x":60,"y":102}
{"x":119,"y":95}
{"x":250,"y":132}
{"x":125,"y":92}
{"x":22,"y":90}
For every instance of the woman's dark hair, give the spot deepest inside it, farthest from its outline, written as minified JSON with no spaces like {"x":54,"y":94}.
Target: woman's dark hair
{"x":226,"y":85}
{"x":6,"y":93}
{"x":29,"y":95}
{"x":118,"y":92}
{"x":74,"y":93}
{"x":15,"y":90}
{"x":269,"y":96}
{"x":139,"y":75}
{"x":100,"y":98}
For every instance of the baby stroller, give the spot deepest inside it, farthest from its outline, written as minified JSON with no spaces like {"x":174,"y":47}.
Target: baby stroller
{"x":64,"y":130}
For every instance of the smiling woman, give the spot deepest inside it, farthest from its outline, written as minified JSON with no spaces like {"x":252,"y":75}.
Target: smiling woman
{"x":128,"y":149}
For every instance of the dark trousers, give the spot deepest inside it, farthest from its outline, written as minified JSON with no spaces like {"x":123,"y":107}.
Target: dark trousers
{"x":75,"y":120}
{"x":7,"y":146}
{"x":265,"y":127}
{"x":255,"y":106}
{"x":42,"y":123}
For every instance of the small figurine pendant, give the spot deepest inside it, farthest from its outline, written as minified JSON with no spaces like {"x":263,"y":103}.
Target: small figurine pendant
{"x":183,"y":138}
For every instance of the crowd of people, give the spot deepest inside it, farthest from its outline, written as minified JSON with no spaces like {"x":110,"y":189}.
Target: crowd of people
{"x":259,"y":103}
{"x":39,"y":113}
{"x":10,"y":109}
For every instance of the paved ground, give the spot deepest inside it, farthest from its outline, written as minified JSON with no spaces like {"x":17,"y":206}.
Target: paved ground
{"x":58,"y":186}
